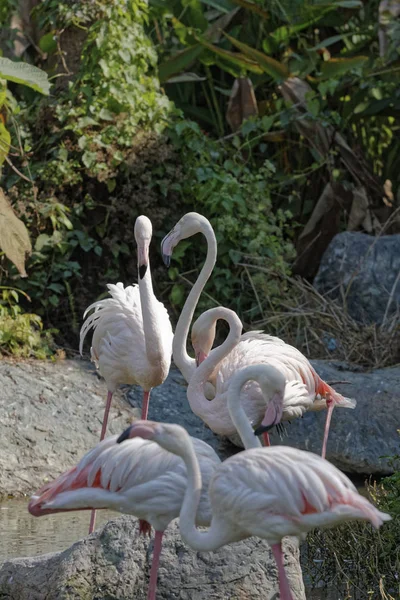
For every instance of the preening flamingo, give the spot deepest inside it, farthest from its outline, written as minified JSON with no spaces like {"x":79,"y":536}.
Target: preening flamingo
{"x":264,"y":492}
{"x":305,"y":390}
{"x":140,"y":478}
{"x":215,"y":412}
{"x":132,"y":333}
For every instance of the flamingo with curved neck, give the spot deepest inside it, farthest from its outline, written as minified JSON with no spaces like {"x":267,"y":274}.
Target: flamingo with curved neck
{"x":189,"y":225}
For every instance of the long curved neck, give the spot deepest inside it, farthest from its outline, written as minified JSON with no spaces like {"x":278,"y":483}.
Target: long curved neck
{"x":183,"y":361}
{"x":236,"y":411}
{"x":195,"y":392}
{"x":214,"y":537}
{"x":151,"y":327}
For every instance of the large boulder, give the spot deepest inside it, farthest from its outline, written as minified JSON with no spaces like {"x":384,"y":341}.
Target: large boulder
{"x":114,"y":563}
{"x":362,"y":440}
{"x":365,"y":270}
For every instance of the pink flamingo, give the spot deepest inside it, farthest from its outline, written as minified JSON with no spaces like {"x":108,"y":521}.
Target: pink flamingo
{"x":140,"y":478}
{"x":305,"y":390}
{"x":265,"y":492}
{"x":132,"y":333}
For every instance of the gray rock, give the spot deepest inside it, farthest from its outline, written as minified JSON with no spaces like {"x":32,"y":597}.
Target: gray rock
{"x":114,"y":564}
{"x":365,"y":270}
{"x":362,"y":440}
{"x":51,"y":414}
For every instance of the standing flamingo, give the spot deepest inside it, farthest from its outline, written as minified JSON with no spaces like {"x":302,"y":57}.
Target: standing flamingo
{"x":132,"y":333}
{"x":140,"y":478}
{"x":257,"y":347}
{"x":265,"y":492}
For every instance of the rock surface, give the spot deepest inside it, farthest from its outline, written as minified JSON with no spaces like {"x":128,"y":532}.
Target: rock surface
{"x":51,"y":414}
{"x":114,"y":564}
{"x":364,"y":268}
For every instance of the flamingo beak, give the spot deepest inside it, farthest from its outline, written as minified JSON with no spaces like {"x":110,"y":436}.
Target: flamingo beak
{"x":142,"y":429}
{"x":273,"y":414}
{"x":143,"y":258}
{"x":200,"y":357}
{"x":168,"y":244}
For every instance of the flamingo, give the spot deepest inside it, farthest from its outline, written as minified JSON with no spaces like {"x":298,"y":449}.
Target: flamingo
{"x":132,"y":333}
{"x":266,"y":492}
{"x":140,"y":478}
{"x":305,"y":390}
{"x":215,"y":413}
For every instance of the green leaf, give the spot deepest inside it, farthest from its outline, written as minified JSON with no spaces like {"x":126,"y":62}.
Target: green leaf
{"x":106,"y":115}
{"x":177,"y":294}
{"x":186,"y":78}
{"x":224,"y":6}
{"x":179,"y":62}
{"x":329,"y":41}
{"x":253,"y":7}
{"x":47,"y":43}
{"x":236,"y":58}
{"x":278,"y":71}
{"x":5,"y":140}
{"x":339,"y":66}
{"x":20,"y":72}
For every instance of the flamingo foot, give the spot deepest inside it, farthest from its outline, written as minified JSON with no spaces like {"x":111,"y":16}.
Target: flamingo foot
{"x":144,"y":528}
{"x":154,"y":565}
{"x":284,"y":587}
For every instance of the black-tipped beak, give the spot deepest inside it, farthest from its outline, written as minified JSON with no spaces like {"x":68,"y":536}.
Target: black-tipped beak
{"x":124,"y":436}
{"x":166,"y":259}
{"x":263,"y":429}
{"x":142,"y":271}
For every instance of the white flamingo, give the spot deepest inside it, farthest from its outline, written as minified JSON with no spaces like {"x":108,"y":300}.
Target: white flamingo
{"x":305,"y":390}
{"x":132,"y":333}
{"x":140,"y":478}
{"x":254,"y":346}
{"x":265,"y":492}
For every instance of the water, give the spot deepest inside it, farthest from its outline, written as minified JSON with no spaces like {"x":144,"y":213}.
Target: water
{"x":24,"y":535}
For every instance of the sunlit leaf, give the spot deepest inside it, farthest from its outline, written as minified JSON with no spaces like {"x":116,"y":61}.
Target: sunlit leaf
{"x":47,"y":43}
{"x":5,"y":140}
{"x":26,"y":74}
{"x":236,"y":58}
{"x":179,"y":62}
{"x":339,"y":66}
{"x":272,"y":67}
{"x":14,"y":237}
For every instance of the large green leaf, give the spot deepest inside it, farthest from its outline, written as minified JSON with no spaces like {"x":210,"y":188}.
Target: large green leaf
{"x":272,"y":67}
{"x":236,"y":58}
{"x":179,"y":62}
{"x":5,"y":141}
{"x":26,"y":74}
{"x":335,"y":67}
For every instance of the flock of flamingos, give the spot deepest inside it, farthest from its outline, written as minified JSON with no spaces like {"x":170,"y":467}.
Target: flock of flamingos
{"x":157,"y":472}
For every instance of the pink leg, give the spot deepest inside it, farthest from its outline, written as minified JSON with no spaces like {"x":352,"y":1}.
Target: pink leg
{"x":284,"y":588}
{"x":330,"y":403}
{"x":103,"y":433}
{"x":266,"y":438}
{"x":145,"y":405}
{"x":154,"y":565}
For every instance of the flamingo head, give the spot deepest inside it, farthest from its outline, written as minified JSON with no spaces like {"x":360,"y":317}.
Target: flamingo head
{"x":169,"y":436}
{"x":188,"y":225}
{"x":143,"y":232}
{"x":203,"y":336}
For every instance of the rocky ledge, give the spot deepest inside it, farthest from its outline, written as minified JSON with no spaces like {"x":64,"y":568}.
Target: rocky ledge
{"x":114,"y":563}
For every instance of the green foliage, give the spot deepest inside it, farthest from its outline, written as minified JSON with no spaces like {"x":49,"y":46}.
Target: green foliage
{"x":21,"y":334}
{"x":235,"y":196}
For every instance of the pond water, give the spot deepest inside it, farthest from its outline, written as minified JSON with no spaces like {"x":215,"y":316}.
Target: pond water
{"x":24,"y":535}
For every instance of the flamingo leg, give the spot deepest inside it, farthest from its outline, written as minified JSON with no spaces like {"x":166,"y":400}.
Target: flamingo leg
{"x":330,"y":403}
{"x":102,"y":435}
{"x":145,"y":405}
{"x":266,"y":438}
{"x":284,"y":588}
{"x":154,"y":565}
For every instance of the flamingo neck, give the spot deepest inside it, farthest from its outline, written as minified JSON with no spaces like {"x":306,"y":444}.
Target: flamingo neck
{"x":236,"y":411}
{"x":199,"y":404}
{"x":183,"y":361}
{"x":211,"y":539}
{"x":151,"y":325}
